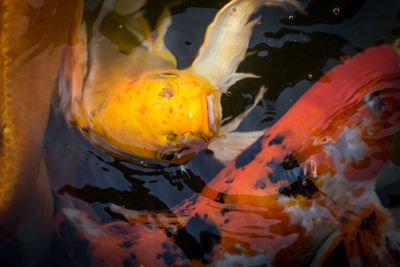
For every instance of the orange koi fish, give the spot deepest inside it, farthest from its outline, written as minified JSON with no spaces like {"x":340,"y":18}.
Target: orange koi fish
{"x":303,"y":189}
{"x":139,"y":103}
{"x":33,"y":35}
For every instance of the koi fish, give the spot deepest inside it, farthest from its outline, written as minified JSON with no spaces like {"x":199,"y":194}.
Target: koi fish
{"x":146,"y":107}
{"x":31,"y":44}
{"x":303,"y":189}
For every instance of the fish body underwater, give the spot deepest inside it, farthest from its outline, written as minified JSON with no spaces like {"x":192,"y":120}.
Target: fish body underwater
{"x":303,"y":189}
{"x":33,"y":35}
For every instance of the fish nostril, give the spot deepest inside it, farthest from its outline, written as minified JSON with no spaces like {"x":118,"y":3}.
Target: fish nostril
{"x":184,"y":138}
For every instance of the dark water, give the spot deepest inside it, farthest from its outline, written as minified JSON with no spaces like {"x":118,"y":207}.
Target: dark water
{"x":289,"y":54}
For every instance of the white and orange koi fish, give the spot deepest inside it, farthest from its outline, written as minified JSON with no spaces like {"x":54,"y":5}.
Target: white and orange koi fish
{"x":303,"y":189}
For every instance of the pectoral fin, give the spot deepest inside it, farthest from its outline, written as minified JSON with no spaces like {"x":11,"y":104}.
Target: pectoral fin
{"x":231,"y":142}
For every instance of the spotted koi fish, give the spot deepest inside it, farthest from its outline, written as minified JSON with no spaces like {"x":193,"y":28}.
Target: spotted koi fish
{"x":302,"y":190}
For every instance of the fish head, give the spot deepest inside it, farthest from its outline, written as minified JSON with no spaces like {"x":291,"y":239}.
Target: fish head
{"x":166,"y":115}
{"x":187,"y":109}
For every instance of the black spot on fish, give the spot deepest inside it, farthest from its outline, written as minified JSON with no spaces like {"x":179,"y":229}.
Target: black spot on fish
{"x":288,"y":170}
{"x":126,"y":244}
{"x":277,"y":140}
{"x":290,"y":162}
{"x":226,"y":221}
{"x":305,"y":188}
{"x":133,"y":256}
{"x":249,"y":154}
{"x":192,"y":201}
{"x":220,"y":198}
{"x":169,"y":256}
{"x":224,"y":211}
{"x":368,"y":223}
{"x":197,"y":239}
{"x":260,"y":184}
{"x":270,"y":163}
{"x":229,"y":181}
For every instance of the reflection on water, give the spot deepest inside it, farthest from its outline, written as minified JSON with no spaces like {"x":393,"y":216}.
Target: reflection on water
{"x":290,"y":51}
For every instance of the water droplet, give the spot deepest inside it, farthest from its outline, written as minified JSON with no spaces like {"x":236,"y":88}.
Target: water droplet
{"x":234,"y":9}
{"x":336,"y":11}
{"x":309,"y":76}
{"x":291,"y":17}
{"x":262,"y":53}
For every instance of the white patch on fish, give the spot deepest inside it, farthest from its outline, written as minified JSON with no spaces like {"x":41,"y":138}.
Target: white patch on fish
{"x":350,"y":147}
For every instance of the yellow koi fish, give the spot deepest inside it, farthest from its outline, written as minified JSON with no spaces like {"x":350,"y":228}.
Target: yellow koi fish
{"x":140,"y":103}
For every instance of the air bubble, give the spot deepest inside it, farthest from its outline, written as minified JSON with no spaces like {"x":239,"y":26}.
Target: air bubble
{"x":291,"y":17}
{"x":336,"y":11}
{"x":234,"y":9}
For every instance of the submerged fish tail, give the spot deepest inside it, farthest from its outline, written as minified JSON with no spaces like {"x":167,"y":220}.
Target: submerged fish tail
{"x":227,"y":40}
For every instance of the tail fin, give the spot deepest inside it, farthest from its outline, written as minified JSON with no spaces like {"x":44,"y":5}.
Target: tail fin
{"x":227,"y":39}
{"x":369,"y":239}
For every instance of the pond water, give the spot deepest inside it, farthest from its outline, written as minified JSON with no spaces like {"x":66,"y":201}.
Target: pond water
{"x":288,"y":50}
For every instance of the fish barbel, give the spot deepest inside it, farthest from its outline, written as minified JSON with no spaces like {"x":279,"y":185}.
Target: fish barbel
{"x":303,"y":189}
